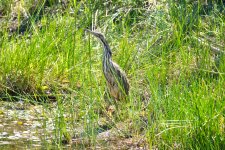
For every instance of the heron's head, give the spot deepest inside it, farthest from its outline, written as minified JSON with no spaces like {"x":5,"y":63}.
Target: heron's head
{"x":97,"y":34}
{"x":102,"y":39}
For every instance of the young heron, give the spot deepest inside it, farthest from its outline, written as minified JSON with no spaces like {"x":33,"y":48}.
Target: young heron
{"x":116,"y":78}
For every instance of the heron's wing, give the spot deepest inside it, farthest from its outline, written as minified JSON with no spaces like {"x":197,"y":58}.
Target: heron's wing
{"x":120,"y":77}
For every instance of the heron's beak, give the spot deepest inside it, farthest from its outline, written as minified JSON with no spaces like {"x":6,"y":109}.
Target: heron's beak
{"x":87,"y":30}
{"x":92,"y":32}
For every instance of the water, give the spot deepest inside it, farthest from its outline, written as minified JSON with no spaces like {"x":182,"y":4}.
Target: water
{"x":27,"y":126}
{"x":23,"y":126}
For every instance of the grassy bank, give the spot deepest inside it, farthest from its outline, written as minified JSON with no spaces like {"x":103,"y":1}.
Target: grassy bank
{"x":173,"y":54}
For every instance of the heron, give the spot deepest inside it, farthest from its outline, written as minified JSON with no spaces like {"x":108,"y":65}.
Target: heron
{"x":116,"y":78}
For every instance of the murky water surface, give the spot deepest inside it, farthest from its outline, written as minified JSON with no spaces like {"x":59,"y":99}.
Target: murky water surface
{"x":26,"y":126}
{"x":23,"y":126}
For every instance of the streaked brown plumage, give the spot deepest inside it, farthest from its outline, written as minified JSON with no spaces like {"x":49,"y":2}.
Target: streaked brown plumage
{"x":116,"y":78}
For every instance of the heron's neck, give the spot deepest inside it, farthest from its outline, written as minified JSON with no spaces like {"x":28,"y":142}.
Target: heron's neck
{"x":106,"y":47}
{"x":107,"y":54}
{"x":107,"y":51}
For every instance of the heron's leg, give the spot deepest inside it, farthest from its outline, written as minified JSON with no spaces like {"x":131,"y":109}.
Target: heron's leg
{"x":107,"y":97}
{"x":110,"y":103}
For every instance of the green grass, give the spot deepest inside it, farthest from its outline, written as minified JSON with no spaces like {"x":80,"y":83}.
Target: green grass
{"x":177,"y":94}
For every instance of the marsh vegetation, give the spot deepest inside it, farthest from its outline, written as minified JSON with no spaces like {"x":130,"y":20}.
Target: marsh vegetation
{"x":53,"y":92}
